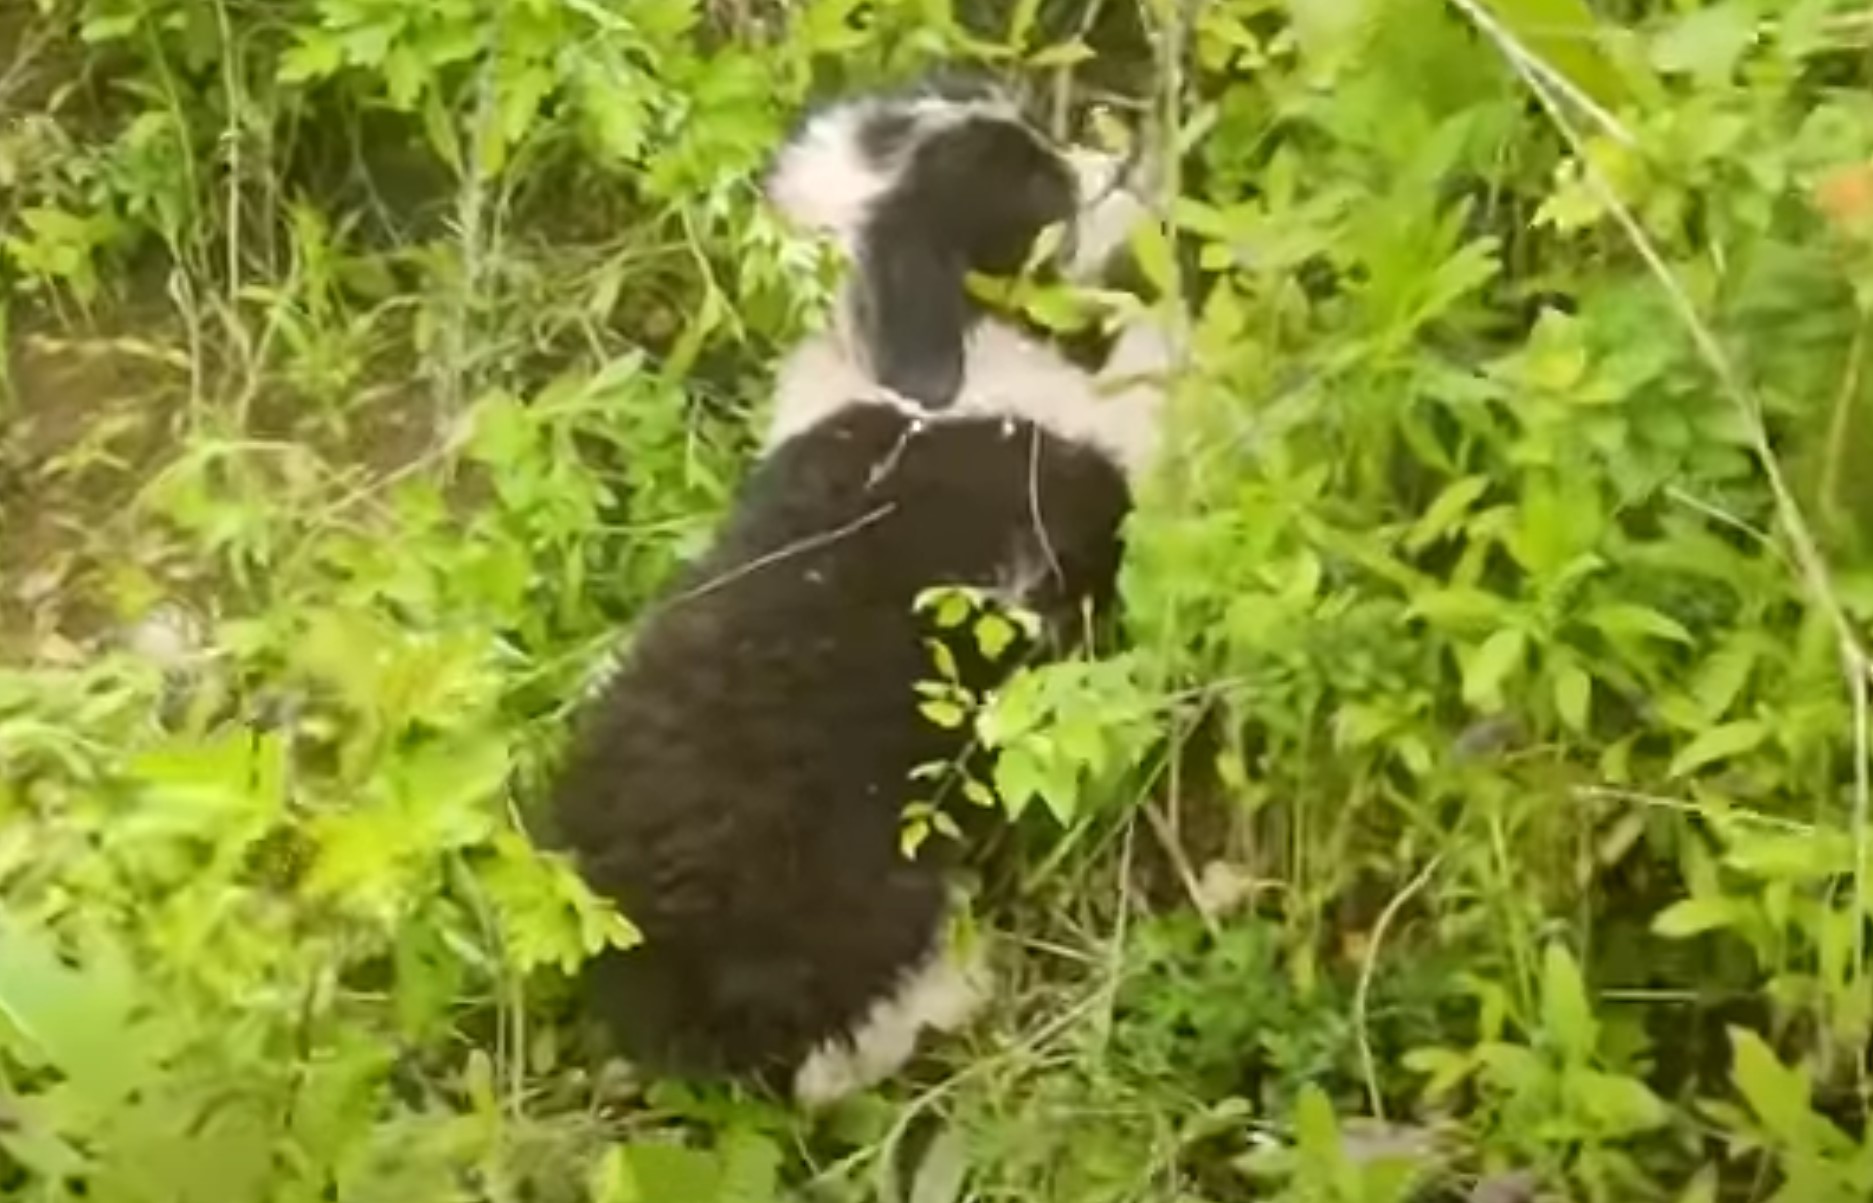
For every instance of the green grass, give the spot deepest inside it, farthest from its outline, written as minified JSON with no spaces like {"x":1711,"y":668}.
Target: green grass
{"x":1487,"y":755}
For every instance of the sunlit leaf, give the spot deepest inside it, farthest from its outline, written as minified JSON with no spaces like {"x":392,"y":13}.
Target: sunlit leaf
{"x":1719,"y":744}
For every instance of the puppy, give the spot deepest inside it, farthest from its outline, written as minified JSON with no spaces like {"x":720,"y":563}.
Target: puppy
{"x":737,"y":787}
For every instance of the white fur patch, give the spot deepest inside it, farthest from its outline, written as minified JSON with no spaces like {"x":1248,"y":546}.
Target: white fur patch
{"x":1006,"y":375}
{"x":942,"y":995}
{"x":824,"y":182}
{"x":1102,"y":228}
{"x":1117,"y":412}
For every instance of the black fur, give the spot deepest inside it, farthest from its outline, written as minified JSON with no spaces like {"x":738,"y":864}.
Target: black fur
{"x":973,"y":198}
{"x":738,"y":788}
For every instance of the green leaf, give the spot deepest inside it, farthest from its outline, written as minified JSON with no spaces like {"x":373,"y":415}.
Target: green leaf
{"x":1619,"y":1105}
{"x":750,"y":1171}
{"x":1445,"y":1068}
{"x":316,"y":56}
{"x":1018,"y":778}
{"x":950,"y":606}
{"x":1061,"y":54}
{"x":1444,"y":512}
{"x":1460,"y":609}
{"x":1021,"y":23}
{"x":1717,"y":744}
{"x":1780,"y":1097}
{"x":1566,"y":1014}
{"x":1624,"y":618}
{"x":78,"y":1018}
{"x":1151,"y":247}
{"x":1808,"y":856}
{"x":661,"y":1173}
{"x":943,"y":712}
{"x":1694,"y":916}
{"x":912,"y":836}
{"x":944,"y":1168}
{"x":1573,"y":696}
{"x":943,"y":659}
{"x":1706,"y":42}
{"x":1721,"y":678}
{"x":611,"y":1179}
{"x":994,"y":634}
{"x":1490,"y":665}
{"x":1565,"y":35}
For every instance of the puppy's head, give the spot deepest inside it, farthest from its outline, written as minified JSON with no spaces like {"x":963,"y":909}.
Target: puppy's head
{"x":924,"y":186}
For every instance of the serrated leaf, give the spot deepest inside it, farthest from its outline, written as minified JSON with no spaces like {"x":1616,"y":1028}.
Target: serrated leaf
{"x":1017,"y":779}
{"x":316,"y":56}
{"x":1719,"y":743}
{"x":80,"y":1018}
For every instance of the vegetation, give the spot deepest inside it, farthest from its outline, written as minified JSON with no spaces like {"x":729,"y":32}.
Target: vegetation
{"x":1487,"y":754}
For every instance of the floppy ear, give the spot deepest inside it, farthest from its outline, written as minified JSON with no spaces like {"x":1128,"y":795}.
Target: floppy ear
{"x":913,"y":316}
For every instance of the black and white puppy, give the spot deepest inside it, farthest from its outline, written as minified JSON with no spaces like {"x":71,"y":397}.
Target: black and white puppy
{"x":738,"y":786}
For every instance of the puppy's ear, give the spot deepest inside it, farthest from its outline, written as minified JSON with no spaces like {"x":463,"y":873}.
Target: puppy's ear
{"x":913,"y":316}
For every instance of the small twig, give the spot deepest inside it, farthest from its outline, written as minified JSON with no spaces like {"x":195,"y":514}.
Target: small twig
{"x":1841,"y":423}
{"x":232,"y":135}
{"x":1115,"y":943}
{"x":1719,"y":515}
{"x":1538,"y":73}
{"x":24,"y":57}
{"x":884,"y":1148}
{"x":1186,"y":873}
{"x":1063,"y":76}
{"x":1362,"y":994}
{"x":471,"y":218}
{"x":1034,"y":507}
{"x":778,"y":555}
{"x":1862,"y":792}
{"x":1601,"y":793}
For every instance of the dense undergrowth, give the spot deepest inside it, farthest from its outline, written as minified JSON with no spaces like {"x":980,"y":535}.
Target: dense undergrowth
{"x":1488,"y":753}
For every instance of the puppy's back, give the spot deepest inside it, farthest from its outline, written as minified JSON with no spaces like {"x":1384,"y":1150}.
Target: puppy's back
{"x":737,"y":788}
